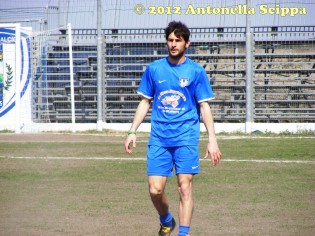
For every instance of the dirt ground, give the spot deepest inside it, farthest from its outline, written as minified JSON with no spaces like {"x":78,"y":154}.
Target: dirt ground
{"x":98,"y":198}
{"x":46,"y":197}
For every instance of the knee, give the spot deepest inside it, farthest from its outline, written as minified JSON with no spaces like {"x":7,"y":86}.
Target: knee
{"x":185,"y":191}
{"x":155,"y":192}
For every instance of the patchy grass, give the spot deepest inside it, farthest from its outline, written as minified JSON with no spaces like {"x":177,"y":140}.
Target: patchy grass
{"x":95,"y":197}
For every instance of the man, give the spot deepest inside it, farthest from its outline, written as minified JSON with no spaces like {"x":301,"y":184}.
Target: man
{"x":179,"y":90}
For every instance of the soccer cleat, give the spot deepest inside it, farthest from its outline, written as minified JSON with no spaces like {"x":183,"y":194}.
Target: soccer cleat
{"x":166,"y":231}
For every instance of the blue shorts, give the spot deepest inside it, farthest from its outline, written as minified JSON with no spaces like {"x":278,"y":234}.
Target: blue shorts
{"x":162,"y":160}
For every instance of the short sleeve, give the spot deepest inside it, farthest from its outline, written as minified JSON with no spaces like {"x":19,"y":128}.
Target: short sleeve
{"x":146,"y":88}
{"x":203,"y":87}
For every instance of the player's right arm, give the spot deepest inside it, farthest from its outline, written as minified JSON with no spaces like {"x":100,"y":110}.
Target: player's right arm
{"x":140,"y":114}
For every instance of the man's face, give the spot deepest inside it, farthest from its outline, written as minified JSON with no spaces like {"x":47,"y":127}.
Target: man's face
{"x":176,"y":46}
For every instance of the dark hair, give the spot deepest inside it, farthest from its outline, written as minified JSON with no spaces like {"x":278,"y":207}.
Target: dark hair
{"x":179,"y":29}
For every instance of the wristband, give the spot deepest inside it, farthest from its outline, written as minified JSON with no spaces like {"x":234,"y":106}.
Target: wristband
{"x":132,"y":132}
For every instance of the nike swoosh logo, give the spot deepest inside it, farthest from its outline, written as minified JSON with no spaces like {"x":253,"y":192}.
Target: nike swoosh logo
{"x":161,"y":81}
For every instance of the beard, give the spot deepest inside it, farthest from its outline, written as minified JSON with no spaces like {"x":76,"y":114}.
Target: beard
{"x":176,"y":57}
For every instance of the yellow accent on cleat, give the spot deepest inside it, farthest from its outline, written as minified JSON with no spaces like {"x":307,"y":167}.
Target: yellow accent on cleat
{"x":166,"y":231}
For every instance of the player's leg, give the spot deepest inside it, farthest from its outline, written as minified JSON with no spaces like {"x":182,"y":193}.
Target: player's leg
{"x":186,"y":166}
{"x":157,"y":194}
{"x":159,"y":199}
{"x":159,"y":168}
{"x":186,"y":203}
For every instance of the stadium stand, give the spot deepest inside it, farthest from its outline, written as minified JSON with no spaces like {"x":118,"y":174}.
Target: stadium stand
{"x":283,"y":61}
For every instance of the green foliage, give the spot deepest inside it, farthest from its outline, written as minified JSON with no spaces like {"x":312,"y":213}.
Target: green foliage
{"x":4,"y":131}
{"x":287,"y":133}
{"x":9,"y":81}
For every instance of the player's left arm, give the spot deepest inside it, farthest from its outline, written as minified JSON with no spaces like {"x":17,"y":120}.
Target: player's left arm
{"x":212,"y":148}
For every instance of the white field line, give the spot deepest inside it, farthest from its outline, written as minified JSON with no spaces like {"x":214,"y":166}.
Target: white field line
{"x":143,"y":139}
{"x":144,"y":159}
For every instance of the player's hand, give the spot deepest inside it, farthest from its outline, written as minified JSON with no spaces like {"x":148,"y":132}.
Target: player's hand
{"x":131,"y":138}
{"x":214,"y":152}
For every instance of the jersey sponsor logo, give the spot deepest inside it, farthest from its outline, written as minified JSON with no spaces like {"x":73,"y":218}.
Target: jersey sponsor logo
{"x":171,"y":91}
{"x":183,"y":82}
{"x":171,"y":100}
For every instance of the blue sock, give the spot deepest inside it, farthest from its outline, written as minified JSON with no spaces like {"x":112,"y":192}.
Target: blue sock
{"x":183,"y":230}
{"x":166,"y":220}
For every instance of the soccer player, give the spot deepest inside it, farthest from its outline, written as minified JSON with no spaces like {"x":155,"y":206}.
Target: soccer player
{"x":179,"y":91}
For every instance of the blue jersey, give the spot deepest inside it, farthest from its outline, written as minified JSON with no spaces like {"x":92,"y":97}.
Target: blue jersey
{"x":176,"y":91}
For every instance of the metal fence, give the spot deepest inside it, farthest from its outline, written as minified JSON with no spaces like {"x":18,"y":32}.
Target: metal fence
{"x":283,"y":73}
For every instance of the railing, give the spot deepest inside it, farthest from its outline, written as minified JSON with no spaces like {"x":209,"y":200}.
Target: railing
{"x":284,"y":73}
